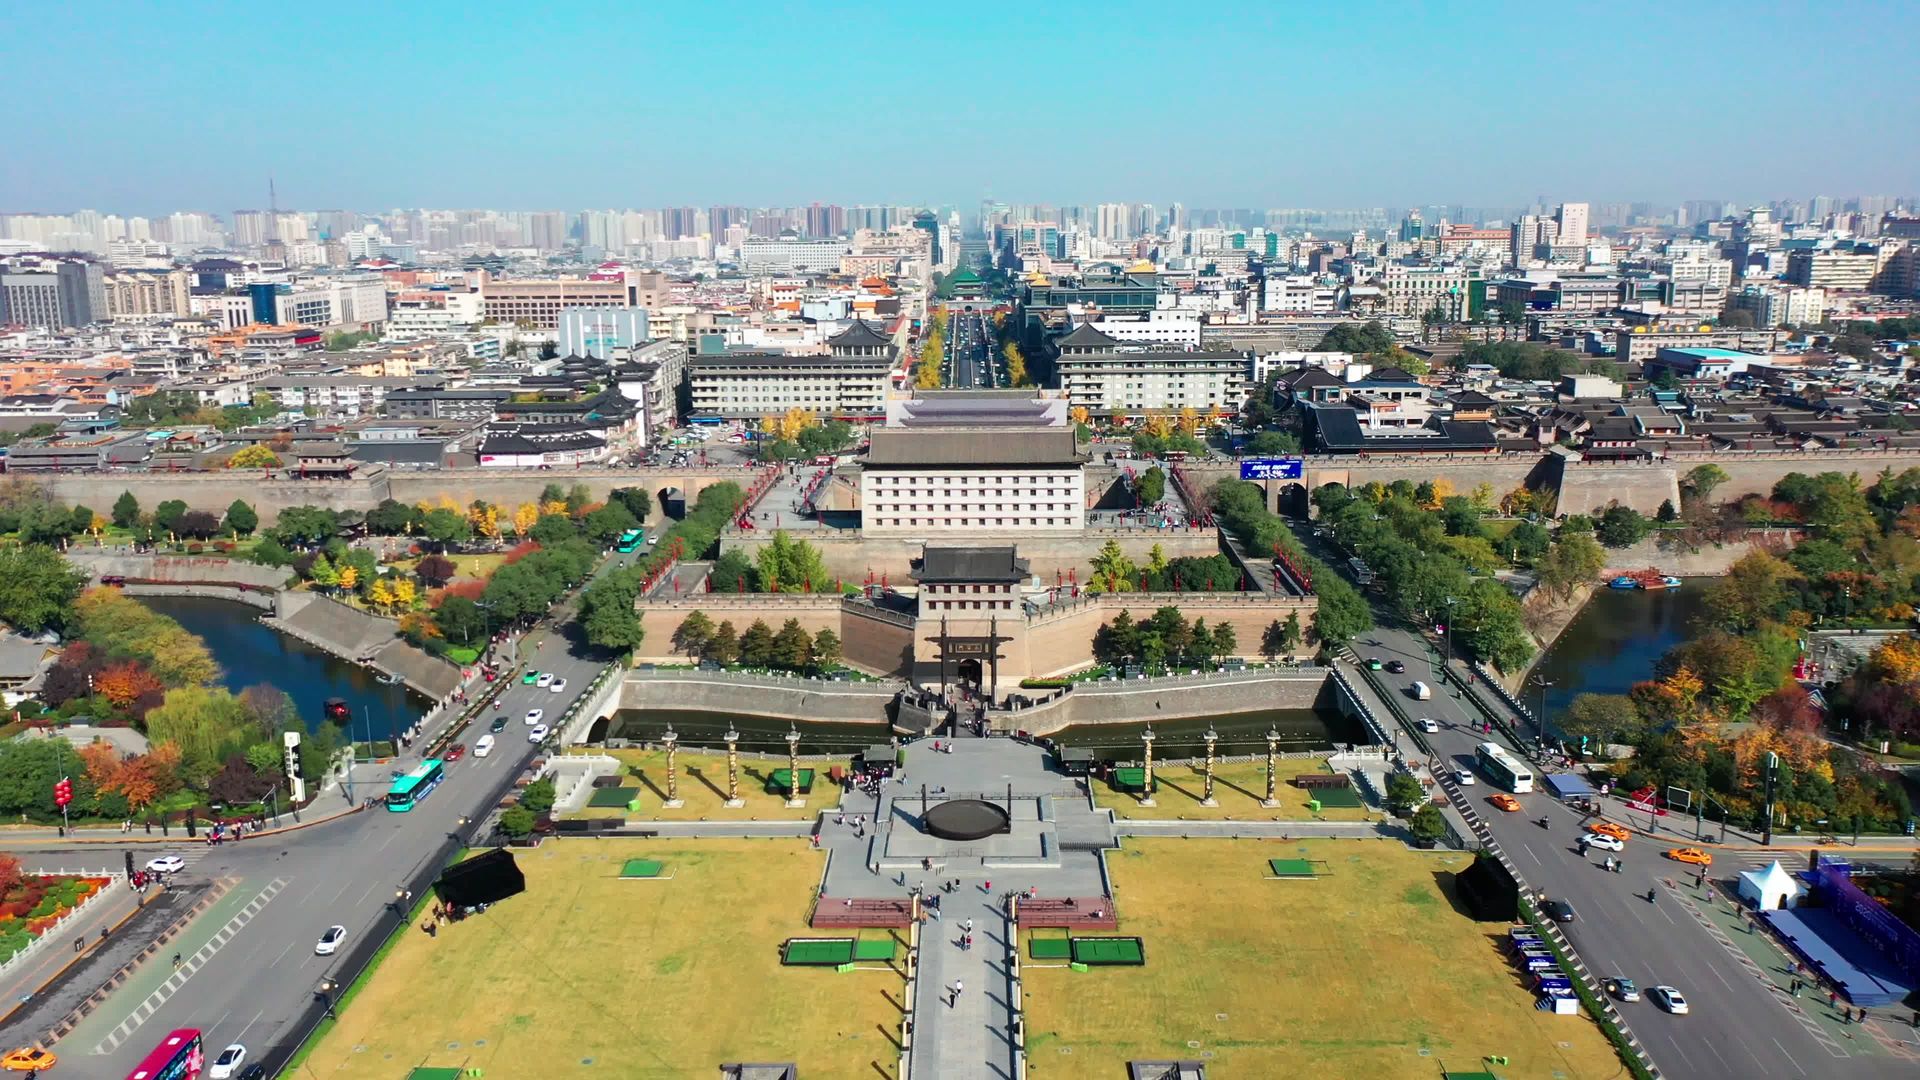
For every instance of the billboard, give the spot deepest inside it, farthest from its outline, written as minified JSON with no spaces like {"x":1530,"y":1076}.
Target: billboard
{"x":1271,"y":468}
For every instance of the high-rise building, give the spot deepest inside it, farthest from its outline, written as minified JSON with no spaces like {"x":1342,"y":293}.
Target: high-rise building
{"x":70,"y":292}
{"x":1571,"y":220}
{"x":249,"y":228}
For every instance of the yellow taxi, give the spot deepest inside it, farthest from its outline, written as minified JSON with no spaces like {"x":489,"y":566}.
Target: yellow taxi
{"x":1505,"y":802}
{"x":1608,"y":828}
{"x":1690,"y":855}
{"x":28,"y":1059}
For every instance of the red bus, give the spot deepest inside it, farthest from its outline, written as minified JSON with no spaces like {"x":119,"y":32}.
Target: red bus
{"x":178,"y":1057}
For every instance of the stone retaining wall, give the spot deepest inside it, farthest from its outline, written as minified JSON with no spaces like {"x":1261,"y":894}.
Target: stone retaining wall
{"x":1131,"y":701}
{"x":797,"y":699}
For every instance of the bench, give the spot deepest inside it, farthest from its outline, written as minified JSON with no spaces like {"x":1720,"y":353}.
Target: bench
{"x":1069,"y":913}
{"x":1322,"y":780}
{"x":838,"y":913}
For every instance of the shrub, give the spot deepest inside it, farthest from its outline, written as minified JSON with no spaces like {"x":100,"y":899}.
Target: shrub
{"x":1044,"y":684}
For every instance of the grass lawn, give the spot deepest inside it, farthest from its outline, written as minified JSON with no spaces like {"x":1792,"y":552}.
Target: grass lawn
{"x":478,"y":567}
{"x":703,"y":787}
{"x":588,"y":975}
{"x":1347,"y":975}
{"x":1237,"y":787}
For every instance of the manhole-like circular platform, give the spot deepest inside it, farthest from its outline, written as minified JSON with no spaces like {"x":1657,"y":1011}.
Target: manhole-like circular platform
{"x":967,"y":819}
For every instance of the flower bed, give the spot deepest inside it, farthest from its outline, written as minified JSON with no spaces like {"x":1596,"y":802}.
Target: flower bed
{"x":36,"y":903}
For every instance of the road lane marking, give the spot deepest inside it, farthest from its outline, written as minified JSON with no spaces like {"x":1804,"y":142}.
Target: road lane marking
{"x":188,"y":967}
{"x":1789,"y":1057}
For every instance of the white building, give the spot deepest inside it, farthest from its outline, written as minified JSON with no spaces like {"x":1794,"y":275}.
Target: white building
{"x":921,"y":480}
{"x":1415,"y":290}
{"x":1175,"y":327}
{"x":1781,"y":305}
{"x":783,"y":255}
{"x":1106,"y":377}
{"x":850,"y":381}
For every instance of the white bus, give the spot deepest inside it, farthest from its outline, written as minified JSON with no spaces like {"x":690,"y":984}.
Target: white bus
{"x":1503,"y":769}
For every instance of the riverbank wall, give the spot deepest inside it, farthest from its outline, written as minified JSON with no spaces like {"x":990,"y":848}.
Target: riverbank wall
{"x":738,"y":693}
{"x":1133,"y":701}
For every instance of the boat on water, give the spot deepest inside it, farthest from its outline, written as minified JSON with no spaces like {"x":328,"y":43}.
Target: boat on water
{"x":1647,"y":580}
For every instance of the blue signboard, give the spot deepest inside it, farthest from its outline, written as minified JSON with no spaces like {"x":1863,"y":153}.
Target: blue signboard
{"x":1270,"y":468}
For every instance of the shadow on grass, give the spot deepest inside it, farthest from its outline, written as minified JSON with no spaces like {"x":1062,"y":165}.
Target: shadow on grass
{"x":1231,"y":786}
{"x":1448,"y":884}
{"x":647,"y":782}
{"x":897,"y":1005}
{"x":888,"y":1035}
{"x":877,"y":1067}
{"x":701,"y":775}
{"x":1171,"y":786}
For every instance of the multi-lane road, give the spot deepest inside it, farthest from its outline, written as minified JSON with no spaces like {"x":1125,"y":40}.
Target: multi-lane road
{"x":249,"y":970}
{"x":1739,"y":1026}
{"x":972,"y":363}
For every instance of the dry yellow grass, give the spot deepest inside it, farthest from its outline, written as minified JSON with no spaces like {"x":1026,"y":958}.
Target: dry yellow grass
{"x":1348,"y":975}
{"x":1238,"y":788}
{"x":702,"y":786}
{"x":646,"y":979}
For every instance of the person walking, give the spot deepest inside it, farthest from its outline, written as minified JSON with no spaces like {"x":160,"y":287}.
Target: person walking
{"x":953,"y":993}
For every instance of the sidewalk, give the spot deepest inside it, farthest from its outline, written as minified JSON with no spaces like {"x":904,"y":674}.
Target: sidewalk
{"x":970,"y":1037}
{"x":107,"y":910}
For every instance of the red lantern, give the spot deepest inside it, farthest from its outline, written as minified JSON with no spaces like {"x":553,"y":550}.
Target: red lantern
{"x":62,"y":792}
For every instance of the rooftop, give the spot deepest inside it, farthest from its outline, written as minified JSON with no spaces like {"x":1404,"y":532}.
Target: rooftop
{"x":971,"y":564}
{"x":960,"y":446}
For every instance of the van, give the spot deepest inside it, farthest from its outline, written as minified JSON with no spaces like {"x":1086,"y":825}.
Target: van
{"x":483,"y":746}
{"x":1421,"y":691}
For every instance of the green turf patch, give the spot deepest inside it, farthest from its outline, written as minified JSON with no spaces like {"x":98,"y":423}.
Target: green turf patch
{"x":778,"y":782}
{"x":1292,"y":868}
{"x":1344,"y":798}
{"x":642,"y":868}
{"x":613,"y":796}
{"x":1058,"y":948}
{"x":435,"y":1074}
{"x":816,"y":952}
{"x":1096,"y":951}
{"x":874,"y":948}
{"x":1131,"y":779}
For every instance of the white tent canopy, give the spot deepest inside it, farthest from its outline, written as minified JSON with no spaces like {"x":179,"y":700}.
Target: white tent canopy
{"x":1771,"y":888}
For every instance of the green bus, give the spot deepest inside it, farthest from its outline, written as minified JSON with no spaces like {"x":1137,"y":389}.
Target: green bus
{"x":414,"y":786}
{"x":631,"y":540}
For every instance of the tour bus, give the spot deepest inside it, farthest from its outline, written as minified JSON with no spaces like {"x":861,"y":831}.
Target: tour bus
{"x":179,"y":1056}
{"x":630,"y":540}
{"x":415,"y":786}
{"x":1501,"y":768}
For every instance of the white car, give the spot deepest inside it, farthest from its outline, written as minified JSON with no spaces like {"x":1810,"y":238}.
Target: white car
{"x":545,"y":679}
{"x":1426,"y":725}
{"x":559,"y":685}
{"x":167,"y":864}
{"x":534,"y":715}
{"x":1602,"y":841}
{"x":228,"y":1063}
{"x":1464,"y":778}
{"x":330,"y":941}
{"x":483,"y":746}
{"x":538,"y":733}
{"x":1669,"y":999}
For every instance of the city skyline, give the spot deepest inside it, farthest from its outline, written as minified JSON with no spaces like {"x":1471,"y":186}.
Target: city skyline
{"x":403,"y":109}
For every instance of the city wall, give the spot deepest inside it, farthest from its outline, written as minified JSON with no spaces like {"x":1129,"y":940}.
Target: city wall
{"x":1750,"y":470}
{"x":851,"y":555}
{"x":719,"y":692}
{"x":1172,"y":699}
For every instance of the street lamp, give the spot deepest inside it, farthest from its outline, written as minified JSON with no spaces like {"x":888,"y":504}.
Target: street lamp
{"x":1448,"y":631}
{"x":1540,"y":718}
{"x":1146,"y":793}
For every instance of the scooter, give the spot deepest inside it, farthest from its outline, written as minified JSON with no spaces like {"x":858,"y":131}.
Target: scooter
{"x":1544,"y":822}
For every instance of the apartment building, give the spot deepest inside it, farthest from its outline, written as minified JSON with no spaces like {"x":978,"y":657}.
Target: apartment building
{"x":1837,"y":269}
{"x":1106,"y":377}
{"x":1641,"y":344}
{"x":1416,"y":290}
{"x":539,"y":303}
{"x":332,"y":396}
{"x":1781,"y":305}
{"x":133,"y":293}
{"x":788,"y":254}
{"x":850,"y":381}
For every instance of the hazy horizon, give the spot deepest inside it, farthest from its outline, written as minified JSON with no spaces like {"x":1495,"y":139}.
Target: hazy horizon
{"x":354,"y":106}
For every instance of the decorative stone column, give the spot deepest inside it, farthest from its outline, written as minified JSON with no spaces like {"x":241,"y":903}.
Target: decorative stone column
{"x":794,"y":800}
{"x":1273,"y":765}
{"x":1207,"y":799}
{"x":1146,"y":789}
{"x":672,"y":739}
{"x":733,"y":768}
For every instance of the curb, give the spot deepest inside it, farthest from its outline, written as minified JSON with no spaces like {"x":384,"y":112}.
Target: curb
{"x":124,"y":838}
{"x":220,"y":889}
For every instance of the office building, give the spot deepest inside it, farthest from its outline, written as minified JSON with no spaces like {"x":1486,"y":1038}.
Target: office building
{"x":1416,"y":290}
{"x":1570,"y":222}
{"x":599,"y":332}
{"x":786,"y":254}
{"x":538,"y":303}
{"x":850,"y":382}
{"x":55,"y":294}
{"x":1853,"y":267}
{"x":1107,"y":377}
{"x":1781,"y":305}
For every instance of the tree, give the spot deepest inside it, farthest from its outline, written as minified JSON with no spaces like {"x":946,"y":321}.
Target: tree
{"x":792,"y":647}
{"x":826,"y":649}
{"x":1403,"y":794}
{"x":724,"y":646}
{"x":1153,"y":486}
{"x":168,"y":514}
{"x":1272,"y":444}
{"x":554,"y":529}
{"x":1427,"y":825}
{"x":125,"y":682}
{"x":254,"y":457}
{"x":1525,"y":543}
{"x":484,"y":519}
{"x":1621,"y":526}
{"x":790,"y":565}
{"x":1576,"y":559}
{"x":305,"y":526}
{"x":126,"y":510}
{"x":579,"y":497}
{"x":1602,"y":718}
{"x":636,"y":500}
{"x":693,"y":633}
{"x":609,"y":618}
{"x":517,"y":821}
{"x":198,"y":524}
{"x":445,"y":526}
{"x":238,"y":782}
{"x":436,"y":570}
{"x":403,"y":589}
{"x":348,"y":578}
{"x":1342,"y":614}
{"x":241,"y":518}
{"x":391,"y":518}
{"x":1667,"y":512}
{"x":458,"y":618}
{"x":1290,"y":635}
{"x":733,"y":572}
{"x":1701,"y":480}
{"x":37,"y":588}
{"x":380,"y":594}
{"x":1360,"y":339}
{"x":539,"y":796}
{"x":204,"y":724}
{"x":756,"y":645}
{"x":606,"y":524}
{"x":1754,"y":590}
{"x":525,"y":516}
{"x":1225,"y":640}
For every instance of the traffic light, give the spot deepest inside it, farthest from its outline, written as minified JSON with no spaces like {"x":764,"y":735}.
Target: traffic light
{"x":62,"y":792}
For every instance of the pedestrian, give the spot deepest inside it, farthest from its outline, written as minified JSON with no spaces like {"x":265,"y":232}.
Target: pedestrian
{"x":1033,"y":892}
{"x":967,"y":926}
{"x":987,"y":888}
{"x":1833,"y":999}
{"x":954,"y":991}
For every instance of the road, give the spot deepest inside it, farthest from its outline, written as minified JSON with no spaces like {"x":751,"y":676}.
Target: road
{"x":249,"y":966}
{"x":972,"y":361}
{"x":1738,"y":1026}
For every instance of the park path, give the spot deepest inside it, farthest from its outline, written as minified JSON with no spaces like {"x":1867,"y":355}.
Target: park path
{"x":972,"y":1036}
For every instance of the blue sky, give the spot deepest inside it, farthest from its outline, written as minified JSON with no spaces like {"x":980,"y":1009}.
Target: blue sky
{"x":142,"y":108}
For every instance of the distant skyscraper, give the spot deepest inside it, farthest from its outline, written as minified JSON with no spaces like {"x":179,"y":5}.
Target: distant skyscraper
{"x":1411,"y":227}
{"x":1572,"y":221}
{"x":249,"y":228}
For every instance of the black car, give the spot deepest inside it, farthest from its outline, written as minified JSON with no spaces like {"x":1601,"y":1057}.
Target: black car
{"x":1558,"y":910}
{"x":253,"y":1072}
{"x":499,"y":725}
{"x":1397,"y":667}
